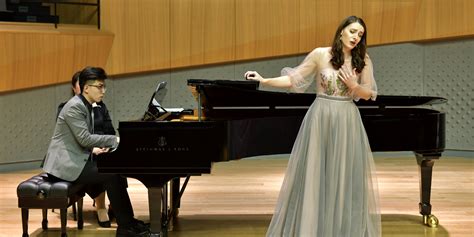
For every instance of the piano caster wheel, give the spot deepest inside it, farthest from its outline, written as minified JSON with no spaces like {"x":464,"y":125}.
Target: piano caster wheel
{"x":430,"y":220}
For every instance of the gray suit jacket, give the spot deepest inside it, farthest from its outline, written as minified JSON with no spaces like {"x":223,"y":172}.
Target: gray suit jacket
{"x":72,"y":142}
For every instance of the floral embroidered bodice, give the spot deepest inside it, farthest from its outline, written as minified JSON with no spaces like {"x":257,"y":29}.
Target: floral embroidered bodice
{"x":331,"y":85}
{"x":317,"y":67}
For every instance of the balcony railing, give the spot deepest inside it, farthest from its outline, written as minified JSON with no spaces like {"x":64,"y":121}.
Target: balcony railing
{"x":84,"y":12}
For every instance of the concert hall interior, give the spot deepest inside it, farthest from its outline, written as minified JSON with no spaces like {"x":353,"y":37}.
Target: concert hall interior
{"x":421,"y":129}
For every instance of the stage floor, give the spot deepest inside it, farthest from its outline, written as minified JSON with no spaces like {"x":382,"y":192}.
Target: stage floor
{"x":237,"y":199}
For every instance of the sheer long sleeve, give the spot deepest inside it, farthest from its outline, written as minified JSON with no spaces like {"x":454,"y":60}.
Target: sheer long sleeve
{"x":367,"y":81}
{"x":302,"y":75}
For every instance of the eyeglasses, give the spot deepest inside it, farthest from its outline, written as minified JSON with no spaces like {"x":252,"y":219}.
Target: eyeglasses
{"x":100,"y":87}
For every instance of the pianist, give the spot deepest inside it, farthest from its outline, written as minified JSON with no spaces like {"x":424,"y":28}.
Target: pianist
{"x":69,"y":156}
{"x":329,"y":187}
{"x":102,"y":125}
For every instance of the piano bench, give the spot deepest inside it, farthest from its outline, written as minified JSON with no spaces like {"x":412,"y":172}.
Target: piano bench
{"x":39,"y":192}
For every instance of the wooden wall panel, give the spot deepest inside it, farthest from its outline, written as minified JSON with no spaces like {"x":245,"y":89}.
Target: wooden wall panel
{"x":394,"y":21}
{"x":319,"y":20}
{"x":32,"y":58}
{"x":448,"y":18}
{"x":142,"y":34}
{"x":413,"y":20}
{"x":213,"y":31}
{"x":308,"y":30}
{"x":266,"y":28}
{"x":86,"y":46}
{"x":180,"y":33}
{"x":202,"y":32}
{"x":164,"y":34}
{"x":24,"y":65}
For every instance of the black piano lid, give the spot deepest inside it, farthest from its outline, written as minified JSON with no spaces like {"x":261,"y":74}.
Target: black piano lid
{"x":234,"y":93}
{"x":401,"y":100}
{"x":247,"y":84}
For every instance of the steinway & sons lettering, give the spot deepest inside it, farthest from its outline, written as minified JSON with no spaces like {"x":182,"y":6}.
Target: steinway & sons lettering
{"x":162,"y":149}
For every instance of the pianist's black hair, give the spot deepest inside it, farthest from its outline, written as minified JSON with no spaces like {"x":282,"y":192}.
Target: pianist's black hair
{"x":358,"y":53}
{"x":91,"y":73}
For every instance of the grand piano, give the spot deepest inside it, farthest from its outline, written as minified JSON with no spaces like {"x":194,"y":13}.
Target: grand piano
{"x":235,"y":120}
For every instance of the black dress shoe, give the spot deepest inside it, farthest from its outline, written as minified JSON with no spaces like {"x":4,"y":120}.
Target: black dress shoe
{"x":142,"y":223}
{"x":105,"y":224}
{"x":133,"y":230}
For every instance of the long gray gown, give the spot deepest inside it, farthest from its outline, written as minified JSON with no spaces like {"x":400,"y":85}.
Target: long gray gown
{"x":330,"y":187}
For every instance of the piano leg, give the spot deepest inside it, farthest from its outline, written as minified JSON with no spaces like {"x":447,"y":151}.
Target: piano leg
{"x":174,"y":197}
{"x":425,"y":163}
{"x":155,"y":195}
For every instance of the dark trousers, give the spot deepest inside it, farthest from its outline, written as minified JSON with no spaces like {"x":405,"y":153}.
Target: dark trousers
{"x":116,"y":187}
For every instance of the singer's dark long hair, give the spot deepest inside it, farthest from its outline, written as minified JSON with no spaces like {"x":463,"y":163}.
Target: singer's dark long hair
{"x":358,"y":53}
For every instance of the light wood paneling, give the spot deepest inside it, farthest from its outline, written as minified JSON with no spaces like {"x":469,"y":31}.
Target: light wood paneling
{"x":413,"y":20}
{"x":394,"y":21}
{"x":238,"y":199}
{"x":212,"y":31}
{"x":180,"y":30}
{"x":309,"y":32}
{"x":190,"y":33}
{"x":319,"y":20}
{"x":202,"y":32}
{"x":32,"y":57}
{"x":164,"y":34}
{"x":87,"y":45}
{"x":448,"y":18}
{"x":266,"y":28}
{"x":142,"y":34}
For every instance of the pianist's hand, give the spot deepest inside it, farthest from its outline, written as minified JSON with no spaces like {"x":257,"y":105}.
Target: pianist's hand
{"x":253,"y":75}
{"x":348,"y":77}
{"x":98,"y":150}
